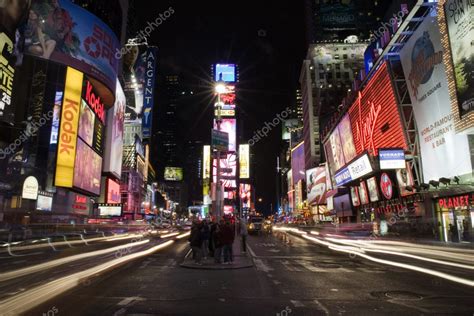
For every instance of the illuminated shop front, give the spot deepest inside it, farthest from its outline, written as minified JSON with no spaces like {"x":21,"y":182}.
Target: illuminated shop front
{"x":456,"y":217}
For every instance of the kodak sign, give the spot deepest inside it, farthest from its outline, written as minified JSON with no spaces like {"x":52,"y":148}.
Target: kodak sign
{"x":68,"y":127}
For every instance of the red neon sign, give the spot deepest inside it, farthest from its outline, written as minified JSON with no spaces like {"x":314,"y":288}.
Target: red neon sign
{"x":374,"y":116}
{"x":452,"y":202}
{"x":95,"y":102}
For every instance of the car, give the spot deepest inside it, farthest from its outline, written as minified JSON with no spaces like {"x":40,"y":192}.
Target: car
{"x":255,"y":224}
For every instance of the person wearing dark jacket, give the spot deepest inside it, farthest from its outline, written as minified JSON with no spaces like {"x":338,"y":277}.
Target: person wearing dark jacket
{"x":195,"y":241}
{"x":205,"y":235}
{"x":217,"y":239}
{"x":227,"y":241}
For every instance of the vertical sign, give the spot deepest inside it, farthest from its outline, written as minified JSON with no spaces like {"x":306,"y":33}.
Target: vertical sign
{"x":68,"y":129}
{"x":206,"y":162}
{"x":244,"y":159}
{"x":148,"y":92}
{"x":7,"y":73}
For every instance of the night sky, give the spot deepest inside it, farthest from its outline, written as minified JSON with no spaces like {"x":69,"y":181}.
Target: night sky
{"x":199,"y":33}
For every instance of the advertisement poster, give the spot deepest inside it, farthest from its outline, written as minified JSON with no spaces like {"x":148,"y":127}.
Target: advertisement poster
{"x":87,"y":171}
{"x":244,"y":159}
{"x":422,"y":61}
{"x":460,"y":21}
{"x":173,"y":174}
{"x":68,"y":34}
{"x":113,"y":192}
{"x":404,"y":179}
{"x":134,"y":62}
{"x":316,"y":185}
{"x":225,"y":72}
{"x":355,"y":196}
{"x":297,"y":163}
{"x":206,"y":169}
{"x":86,"y":124}
{"x":372,"y":187}
{"x":149,"y":90}
{"x":363,"y":193}
{"x":287,"y":127}
{"x":114,"y":138}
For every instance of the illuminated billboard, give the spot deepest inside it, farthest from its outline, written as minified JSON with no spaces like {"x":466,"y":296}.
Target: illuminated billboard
{"x":58,"y":99}
{"x":229,"y":125}
{"x":72,"y":36}
{"x":372,"y":189}
{"x":245,"y":195}
{"x":459,"y":20}
{"x":110,"y":209}
{"x":173,"y":174}
{"x":297,"y":163}
{"x":287,"y":127}
{"x":113,"y":191}
{"x":340,"y":148}
{"x":68,"y":128}
{"x":225,"y":72}
{"x":405,"y":179}
{"x":206,"y":169}
{"x":316,"y":185}
{"x":374,"y":116}
{"x":114,"y":137}
{"x":88,"y":169}
{"x":44,"y":201}
{"x":443,"y":152}
{"x":7,"y":69}
{"x":148,"y":91}
{"x":228,"y":167}
{"x":244,"y":159}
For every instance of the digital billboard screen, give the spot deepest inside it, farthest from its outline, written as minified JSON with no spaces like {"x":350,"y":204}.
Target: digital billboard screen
{"x":87,"y":170}
{"x":316,"y":185}
{"x":113,"y":191}
{"x":229,"y":125}
{"x":340,"y":148}
{"x":66,"y":33}
{"x":173,"y":174}
{"x":297,"y":163}
{"x":106,"y":210}
{"x":244,"y":159}
{"x":225,"y":72}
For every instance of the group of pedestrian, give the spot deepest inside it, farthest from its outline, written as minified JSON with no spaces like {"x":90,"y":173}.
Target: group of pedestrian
{"x":212,"y":240}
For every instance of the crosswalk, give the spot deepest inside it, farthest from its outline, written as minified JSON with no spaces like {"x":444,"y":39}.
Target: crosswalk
{"x":304,"y":265}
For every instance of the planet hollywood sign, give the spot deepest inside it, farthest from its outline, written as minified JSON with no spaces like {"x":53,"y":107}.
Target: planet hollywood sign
{"x":453,"y":202}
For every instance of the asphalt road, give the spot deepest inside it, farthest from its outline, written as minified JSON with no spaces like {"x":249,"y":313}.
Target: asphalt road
{"x":300,"y":278}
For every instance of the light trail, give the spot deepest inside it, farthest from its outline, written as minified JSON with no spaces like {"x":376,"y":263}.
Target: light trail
{"x":34,"y":297}
{"x":183,"y":235}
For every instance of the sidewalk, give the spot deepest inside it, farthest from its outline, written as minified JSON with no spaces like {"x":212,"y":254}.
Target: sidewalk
{"x":241,"y":260}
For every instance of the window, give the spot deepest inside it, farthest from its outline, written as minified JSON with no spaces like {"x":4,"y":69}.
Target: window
{"x":344,"y":56}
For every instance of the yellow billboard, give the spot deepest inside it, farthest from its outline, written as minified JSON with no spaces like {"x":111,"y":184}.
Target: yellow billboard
{"x":67,"y":138}
{"x":244,"y":160}
{"x":206,"y":162}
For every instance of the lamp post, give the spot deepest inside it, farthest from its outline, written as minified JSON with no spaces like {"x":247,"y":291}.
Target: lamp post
{"x":219,"y":88}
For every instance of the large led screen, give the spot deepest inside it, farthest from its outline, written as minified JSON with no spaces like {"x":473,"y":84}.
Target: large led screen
{"x":316,"y":185}
{"x":374,"y":116}
{"x":225,"y":72}
{"x":297,"y":163}
{"x":87,"y":170}
{"x":340,"y":148}
{"x":113,"y":191}
{"x":173,"y":174}
{"x":66,"y":33}
{"x":443,"y":152}
{"x":229,"y":126}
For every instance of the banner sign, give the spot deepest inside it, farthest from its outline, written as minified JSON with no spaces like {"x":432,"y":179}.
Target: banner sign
{"x":149,"y":91}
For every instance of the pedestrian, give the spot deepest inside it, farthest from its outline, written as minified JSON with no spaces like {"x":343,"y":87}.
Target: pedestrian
{"x":454,"y":233}
{"x":212,"y":236}
{"x":465,"y":232}
{"x":205,"y":235}
{"x":195,"y":242}
{"x":244,"y":233}
{"x":218,"y":241}
{"x":227,"y":241}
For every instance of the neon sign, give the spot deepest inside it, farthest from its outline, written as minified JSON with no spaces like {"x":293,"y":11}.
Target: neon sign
{"x":452,"y":202}
{"x":365,"y":128}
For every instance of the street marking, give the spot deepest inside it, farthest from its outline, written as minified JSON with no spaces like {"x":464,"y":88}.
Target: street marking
{"x":297,"y":303}
{"x":289,"y":267}
{"x":262,"y":266}
{"x":310,"y":267}
{"x":251,"y":251}
{"x":127,"y":300}
{"x":321,"y":307}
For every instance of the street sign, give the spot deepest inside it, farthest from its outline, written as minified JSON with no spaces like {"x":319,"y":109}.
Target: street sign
{"x":220,"y":140}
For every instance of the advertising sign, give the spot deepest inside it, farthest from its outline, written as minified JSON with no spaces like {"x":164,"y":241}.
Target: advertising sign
{"x":355,"y":170}
{"x":114,"y":137}
{"x":386,"y":186}
{"x":68,"y":129}
{"x":148,"y":92}
{"x":110,"y":209}
{"x":44,"y":201}
{"x":372,"y":189}
{"x":245,"y":195}
{"x":460,"y":21}
{"x":88,"y":169}
{"x":355,"y":196}
{"x":244,"y":161}
{"x":113,"y":191}
{"x":316,"y":185}
{"x":374,"y":116}
{"x":68,"y":34}
{"x":225,"y":72}
{"x":7,"y":71}
{"x":58,"y":99}
{"x":30,"y":188}
{"x":134,"y":68}
{"x":173,"y":174}
{"x":206,"y":161}
{"x":229,"y":126}
{"x":297,"y":163}
{"x":340,"y":148}
{"x":337,"y":15}
{"x":404,"y":179}
{"x":443,"y":153}
{"x":392,"y":158}
{"x":363,"y":193}
{"x":287,"y":127}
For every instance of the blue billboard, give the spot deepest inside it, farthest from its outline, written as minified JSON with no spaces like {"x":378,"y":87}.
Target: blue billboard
{"x":225,"y":72}
{"x":68,"y":34}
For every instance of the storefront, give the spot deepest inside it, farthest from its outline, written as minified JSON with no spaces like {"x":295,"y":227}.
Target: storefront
{"x":455,"y":216}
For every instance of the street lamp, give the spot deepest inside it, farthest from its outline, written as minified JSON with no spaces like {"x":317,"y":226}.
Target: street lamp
{"x":219,"y":88}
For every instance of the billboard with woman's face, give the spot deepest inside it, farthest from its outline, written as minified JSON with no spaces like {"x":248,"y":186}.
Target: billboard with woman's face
{"x":61,"y":31}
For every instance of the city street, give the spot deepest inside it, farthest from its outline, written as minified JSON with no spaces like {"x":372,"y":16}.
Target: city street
{"x":299,"y":278}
